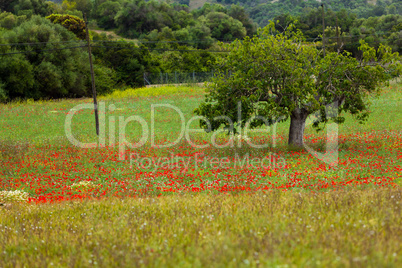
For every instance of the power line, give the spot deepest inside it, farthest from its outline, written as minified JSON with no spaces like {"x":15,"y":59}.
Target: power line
{"x":159,"y":41}
{"x":150,"y":42}
{"x":176,"y":41}
{"x":38,"y":50}
{"x":39,"y":43}
{"x":220,"y":39}
{"x":168,"y":41}
{"x":131,"y":48}
{"x":162,"y":49}
{"x":345,"y":36}
{"x":173,"y":41}
{"x":119,"y":47}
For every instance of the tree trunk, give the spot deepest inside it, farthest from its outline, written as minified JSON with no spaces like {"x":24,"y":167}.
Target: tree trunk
{"x":296,"y":130}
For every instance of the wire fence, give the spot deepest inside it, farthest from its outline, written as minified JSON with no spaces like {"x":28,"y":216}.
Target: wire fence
{"x":176,"y":78}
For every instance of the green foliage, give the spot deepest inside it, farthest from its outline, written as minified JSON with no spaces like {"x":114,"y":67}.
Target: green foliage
{"x":105,"y":14}
{"x":374,"y":30}
{"x":272,"y":76}
{"x":159,"y":23}
{"x":105,"y":79}
{"x":263,"y":11}
{"x":385,"y":29}
{"x":182,"y":61}
{"x":225,"y":27}
{"x":17,"y":77}
{"x":311,"y":22}
{"x":201,"y":34}
{"x":127,"y":60}
{"x":208,"y":8}
{"x":138,"y":18}
{"x":9,"y":20}
{"x":185,"y":56}
{"x":71,"y":23}
{"x":7,"y":5}
{"x":197,"y":36}
{"x":85,"y":6}
{"x":240,"y":14}
{"x":54,"y":72}
{"x":49,"y":78}
{"x":3,"y":93}
{"x":26,"y":7}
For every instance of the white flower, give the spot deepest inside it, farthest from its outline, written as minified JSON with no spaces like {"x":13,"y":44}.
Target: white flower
{"x":240,"y":137}
{"x":85,"y":185}
{"x":17,"y":195}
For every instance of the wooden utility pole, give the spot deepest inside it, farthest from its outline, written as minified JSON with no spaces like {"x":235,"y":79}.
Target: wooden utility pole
{"x":92,"y":78}
{"x":323,"y":29}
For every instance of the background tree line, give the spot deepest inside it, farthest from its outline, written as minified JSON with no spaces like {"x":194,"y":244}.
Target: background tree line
{"x":386,"y":29}
{"x":262,"y":11}
{"x":169,"y":37}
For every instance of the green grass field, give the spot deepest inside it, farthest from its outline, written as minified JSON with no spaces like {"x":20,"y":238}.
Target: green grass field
{"x":86,"y":207}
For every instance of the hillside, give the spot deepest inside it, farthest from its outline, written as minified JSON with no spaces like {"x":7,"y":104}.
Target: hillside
{"x":169,"y":38}
{"x":194,"y":4}
{"x":261,"y":11}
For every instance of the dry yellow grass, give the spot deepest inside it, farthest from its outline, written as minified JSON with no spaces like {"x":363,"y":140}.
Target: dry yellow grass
{"x":345,"y":229}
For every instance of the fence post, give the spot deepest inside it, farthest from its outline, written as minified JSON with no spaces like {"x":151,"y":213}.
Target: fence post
{"x":175,"y":77}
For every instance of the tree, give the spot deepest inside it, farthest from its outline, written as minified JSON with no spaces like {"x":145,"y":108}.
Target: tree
{"x":16,"y":77}
{"x":55,"y":69}
{"x":50,"y":71}
{"x":225,"y":27}
{"x":85,"y":6}
{"x":9,"y":20}
{"x":131,"y":18}
{"x":71,"y":23}
{"x":6,"y":5}
{"x":240,"y":14}
{"x":127,"y":59}
{"x":28,"y":7}
{"x":106,"y":12}
{"x":278,"y":76}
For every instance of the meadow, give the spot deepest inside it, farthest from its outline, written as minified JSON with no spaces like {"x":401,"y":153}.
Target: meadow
{"x":235,"y":206}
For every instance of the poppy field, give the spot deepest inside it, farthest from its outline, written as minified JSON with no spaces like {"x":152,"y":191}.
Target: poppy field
{"x":38,"y":159}
{"x":196,"y":182}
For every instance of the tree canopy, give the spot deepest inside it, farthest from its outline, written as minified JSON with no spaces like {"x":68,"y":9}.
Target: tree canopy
{"x":71,"y":23}
{"x":275,"y":76}
{"x":263,"y":11}
{"x":47,"y":71}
